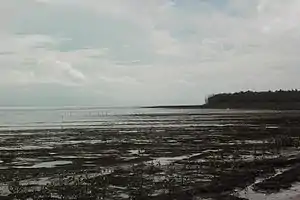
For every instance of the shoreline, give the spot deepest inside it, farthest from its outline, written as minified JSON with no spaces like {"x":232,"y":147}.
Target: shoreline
{"x":207,"y":107}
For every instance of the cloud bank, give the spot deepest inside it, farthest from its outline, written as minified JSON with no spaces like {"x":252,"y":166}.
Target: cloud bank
{"x":106,"y":53}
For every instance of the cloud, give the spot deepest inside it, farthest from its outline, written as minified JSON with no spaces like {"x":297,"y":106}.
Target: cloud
{"x":58,"y":71}
{"x":150,"y":52}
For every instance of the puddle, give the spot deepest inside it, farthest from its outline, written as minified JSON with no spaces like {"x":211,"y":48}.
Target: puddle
{"x":3,"y":168}
{"x":202,"y":160}
{"x":124,"y":196}
{"x":92,"y":156}
{"x":75,"y":142}
{"x":137,"y":141}
{"x":172,"y":141}
{"x":89,"y":165}
{"x":104,"y":171}
{"x":128,"y":158}
{"x":111,"y":151}
{"x":25,"y":161}
{"x":159,"y":178}
{"x":51,"y":164}
{"x":128,"y":131}
{"x":37,"y":181}
{"x":249,"y":141}
{"x":272,"y":127}
{"x":210,"y":150}
{"x":169,"y":160}
{"x":24,"y":148}
{"x":136,"y":152}
{"x":67,"y":157}
{"x":29,"y":134}
{"x":290,"y":194}
{"x":4,"y":190}
{"x":252,"y":158}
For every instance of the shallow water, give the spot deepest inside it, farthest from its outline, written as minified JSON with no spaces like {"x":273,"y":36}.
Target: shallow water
{"x":13,"y":118}
{"x":168,"y":160}
{"x":51,"y":164}
{"x":290,"y":194}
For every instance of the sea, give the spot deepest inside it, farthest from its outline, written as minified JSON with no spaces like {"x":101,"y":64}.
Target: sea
{"x":16,"y":118}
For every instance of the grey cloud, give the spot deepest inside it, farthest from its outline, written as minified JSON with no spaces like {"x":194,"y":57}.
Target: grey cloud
{"x":108,"y":52}
{"x":82,"y":29}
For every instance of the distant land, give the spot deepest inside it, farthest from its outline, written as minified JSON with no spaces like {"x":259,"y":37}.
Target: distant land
{"x":273,"y":100}
{"x":177,"y":106}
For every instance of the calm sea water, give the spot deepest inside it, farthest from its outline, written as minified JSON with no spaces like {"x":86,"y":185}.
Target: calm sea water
{"x":41,"y":118}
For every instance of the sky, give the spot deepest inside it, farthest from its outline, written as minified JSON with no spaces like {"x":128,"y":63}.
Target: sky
{"x":150,"y":52}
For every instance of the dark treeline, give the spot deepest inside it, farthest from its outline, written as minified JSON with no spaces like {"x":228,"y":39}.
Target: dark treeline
{"x":256,"y":100}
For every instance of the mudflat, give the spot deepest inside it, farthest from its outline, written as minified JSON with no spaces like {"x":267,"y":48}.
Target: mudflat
{"x":178,"y":155}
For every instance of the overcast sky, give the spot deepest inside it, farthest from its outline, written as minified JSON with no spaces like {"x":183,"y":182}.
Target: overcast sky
{"x":144,"y":52}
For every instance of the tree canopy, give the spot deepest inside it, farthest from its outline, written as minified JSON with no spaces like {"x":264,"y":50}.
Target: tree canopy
{"x":279,"y":99}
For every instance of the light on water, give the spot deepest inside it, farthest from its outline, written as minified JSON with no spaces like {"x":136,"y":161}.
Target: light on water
{"x":84,"y":117}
